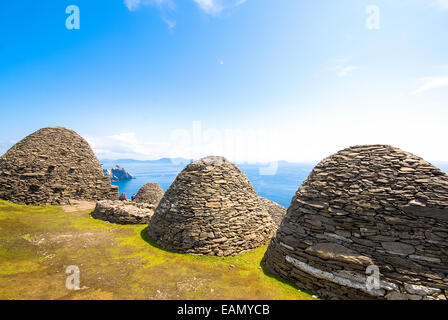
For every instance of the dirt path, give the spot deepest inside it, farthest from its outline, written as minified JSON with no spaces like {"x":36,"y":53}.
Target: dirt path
{"x":78,"y":205}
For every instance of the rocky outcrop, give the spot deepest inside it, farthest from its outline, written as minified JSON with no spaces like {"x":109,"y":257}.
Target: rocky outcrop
{"x":117,"y":174}
{"x":276,"y":211}
{"x":211,"y":209}
{"x":363,"y":208}
{"x":123,"y":212}
{"x":52,"y":166}
{"x":150,"y":193}
{"x":123,"y":197}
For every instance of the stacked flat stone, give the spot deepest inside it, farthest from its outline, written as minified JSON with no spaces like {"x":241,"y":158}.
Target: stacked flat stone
{"x":150,"y":193}
{"x":211,"y":209}
{"x":367,"y":206}
{"x":276,"y":211}
{"x":52,"y":166}
{"x":123,"y":212}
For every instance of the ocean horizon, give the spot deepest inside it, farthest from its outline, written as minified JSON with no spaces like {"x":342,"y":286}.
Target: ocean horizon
{"x":279,"y":187}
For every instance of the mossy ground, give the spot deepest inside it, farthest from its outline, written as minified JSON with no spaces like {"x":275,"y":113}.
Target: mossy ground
{"x":117,"y":262}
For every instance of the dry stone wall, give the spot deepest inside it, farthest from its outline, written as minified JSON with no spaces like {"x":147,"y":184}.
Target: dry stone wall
{"x":123,"y":212}
{"x":150,"y":193}
{"x":362,"y":207}
{"x":211,"y":209}
{"x":276,"y":211}
{"x":52,"y":166}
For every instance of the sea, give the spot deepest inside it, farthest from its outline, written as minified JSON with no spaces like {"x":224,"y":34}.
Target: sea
{"x":279,"y":185}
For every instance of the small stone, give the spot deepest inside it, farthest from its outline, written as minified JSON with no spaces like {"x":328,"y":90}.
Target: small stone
{"x":398,"y":248}
{"x":332,"y":251}
{"x":420,"y":290}
{"x":427,"y":259}
{"x":396,"y":296}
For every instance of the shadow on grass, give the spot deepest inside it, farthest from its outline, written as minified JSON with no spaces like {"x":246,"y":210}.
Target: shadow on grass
{"x":276,"y":277}
{"x":145,"y":236}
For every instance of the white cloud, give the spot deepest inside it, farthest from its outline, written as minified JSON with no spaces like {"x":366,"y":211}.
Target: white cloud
{"x":194,"y":142}
{"x":441,"y":4}
{"x":211,"y":7}
{"x":335,"y":128}
{"x":132,"y":4}
{"x":127,"y":145}
{"x":432,"y":83}
{"x":341,"y":66}
{"x":214,"y":7}
{"x":135,"y":4}
{"x":346,"y":70}
{"x":171,"y":23}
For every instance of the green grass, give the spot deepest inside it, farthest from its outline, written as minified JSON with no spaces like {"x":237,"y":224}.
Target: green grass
{"x":117,"y":262}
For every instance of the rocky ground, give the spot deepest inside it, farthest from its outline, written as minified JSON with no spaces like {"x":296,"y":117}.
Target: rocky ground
{"x":37,"y":244}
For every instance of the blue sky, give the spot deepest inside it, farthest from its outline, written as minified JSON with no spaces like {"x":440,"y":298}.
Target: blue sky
{"x":251,"y":80}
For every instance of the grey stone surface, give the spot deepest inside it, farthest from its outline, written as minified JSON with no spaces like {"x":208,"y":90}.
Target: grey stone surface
{"x":211,"y":209}
{"x":52,"y":166}
{"x":276,"y":211}
{"x":364,"y":205}
{"x":123,"y":212}
{"x":150,"y":193}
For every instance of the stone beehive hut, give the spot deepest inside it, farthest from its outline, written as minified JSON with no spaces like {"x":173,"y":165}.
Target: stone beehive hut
{"x":52,"y":166}
{"x":211,"y":209}
{"x":363,"y":207}
{"x":276,"y":211}
{"x":150,"y":193}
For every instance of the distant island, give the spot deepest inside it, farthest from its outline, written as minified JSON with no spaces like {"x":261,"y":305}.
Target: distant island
{"x":117,"y":174}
